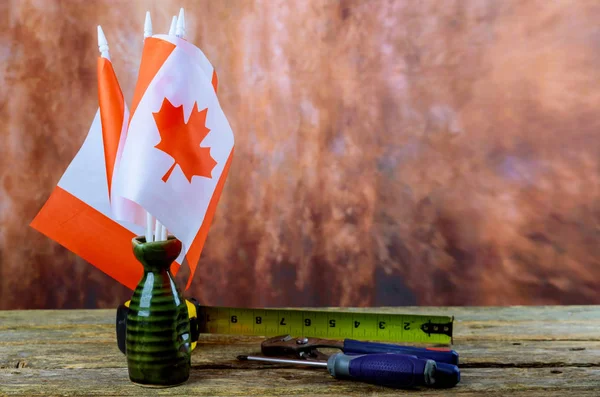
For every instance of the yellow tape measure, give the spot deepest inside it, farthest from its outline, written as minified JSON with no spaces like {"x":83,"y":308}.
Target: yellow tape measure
{"x":326,"y":324}
{"x":411,"y":328}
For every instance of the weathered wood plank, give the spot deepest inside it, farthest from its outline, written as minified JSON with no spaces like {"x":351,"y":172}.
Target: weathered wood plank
{"x":472,"y":354}
{"x":538,"y":351}
{"x":290,"y":381}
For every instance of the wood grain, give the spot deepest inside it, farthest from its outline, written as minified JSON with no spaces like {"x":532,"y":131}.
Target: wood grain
{"x":75,"y":353}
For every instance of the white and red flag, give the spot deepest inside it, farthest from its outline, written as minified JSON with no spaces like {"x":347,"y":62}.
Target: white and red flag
{"x":78,"y":214}
{"x":170,"y":158}
{"x":179,"y":144}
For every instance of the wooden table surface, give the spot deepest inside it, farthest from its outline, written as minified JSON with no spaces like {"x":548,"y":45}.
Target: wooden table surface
{"x":522,"y":351}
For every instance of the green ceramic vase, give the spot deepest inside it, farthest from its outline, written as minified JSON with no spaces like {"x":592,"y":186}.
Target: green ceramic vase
{"x":158,"y":329}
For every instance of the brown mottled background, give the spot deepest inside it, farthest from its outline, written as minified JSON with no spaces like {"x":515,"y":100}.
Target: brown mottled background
{"x":437,"y":152}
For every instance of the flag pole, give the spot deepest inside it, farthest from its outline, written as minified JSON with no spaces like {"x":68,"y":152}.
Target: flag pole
{"x":103,"y":44}
{"x":173,"y":26}
{"x":149,"y":217}
{"x":160,"y":231}
{"x":157,"y":228}
{"x":147,"y":26}
{"x":180,"y":29}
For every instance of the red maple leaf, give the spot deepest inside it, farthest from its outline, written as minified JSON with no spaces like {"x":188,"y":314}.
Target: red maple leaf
{"x":182,"y":141}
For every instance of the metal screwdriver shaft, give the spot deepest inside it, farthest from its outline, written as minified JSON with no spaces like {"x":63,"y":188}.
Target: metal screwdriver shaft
{"x":283,"y":361}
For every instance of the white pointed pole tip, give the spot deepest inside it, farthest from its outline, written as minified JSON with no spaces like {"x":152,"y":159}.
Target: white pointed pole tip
{"x":173,"y":26}
{"x":102,"y":44}
{"x":148,"y":25}
{"x":180,"y":31}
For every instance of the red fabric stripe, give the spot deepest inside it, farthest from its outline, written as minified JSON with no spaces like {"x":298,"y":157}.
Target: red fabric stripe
{"x":154,"y":55}
{"x":215,"y":81}
{"x":91,"y":235}
{"x":193,"y":254}
{"x":112,"y":113}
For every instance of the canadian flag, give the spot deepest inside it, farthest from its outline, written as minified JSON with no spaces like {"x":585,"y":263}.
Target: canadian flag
{"x":179,"y":144}
{"x":171,"y":159}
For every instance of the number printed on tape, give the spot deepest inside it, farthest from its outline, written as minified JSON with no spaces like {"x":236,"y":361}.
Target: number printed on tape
{"x":326,"y":324}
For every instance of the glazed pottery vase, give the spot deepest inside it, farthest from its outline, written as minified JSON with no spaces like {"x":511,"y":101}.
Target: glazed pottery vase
{"x":158,"y":328}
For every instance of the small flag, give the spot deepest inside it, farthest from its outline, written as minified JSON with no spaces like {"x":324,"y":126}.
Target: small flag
{"x":114,"y":117}
{"x":78,"y":215}
{"x":169,"y":159}
{"x":179,"y":144}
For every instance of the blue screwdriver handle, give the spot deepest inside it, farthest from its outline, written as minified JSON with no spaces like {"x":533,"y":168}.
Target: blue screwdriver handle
{"x":392,"y":370}
{"x":439,"y":355}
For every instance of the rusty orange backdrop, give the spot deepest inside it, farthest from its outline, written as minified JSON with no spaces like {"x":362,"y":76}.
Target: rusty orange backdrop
{"x":441,"y":152}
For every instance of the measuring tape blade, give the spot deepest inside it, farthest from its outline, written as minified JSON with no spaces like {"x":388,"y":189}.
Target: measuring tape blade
{"x":326,"y":324}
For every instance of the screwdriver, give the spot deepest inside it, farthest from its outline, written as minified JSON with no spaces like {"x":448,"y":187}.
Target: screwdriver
{"x":448,"y":374}
{"x":392,"y":370}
